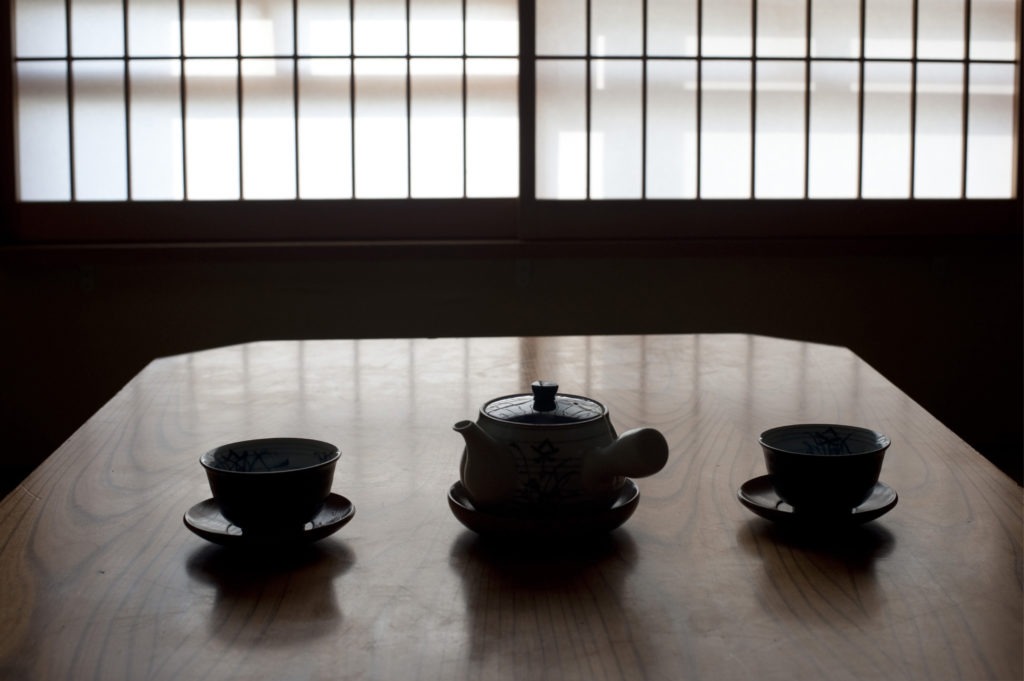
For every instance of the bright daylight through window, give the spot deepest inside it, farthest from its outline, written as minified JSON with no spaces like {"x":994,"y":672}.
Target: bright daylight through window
{"x":266,"y":99}
{"x":633,"y":99}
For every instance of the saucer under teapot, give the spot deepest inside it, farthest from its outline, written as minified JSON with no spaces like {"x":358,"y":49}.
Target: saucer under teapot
{"x":534,"y":526}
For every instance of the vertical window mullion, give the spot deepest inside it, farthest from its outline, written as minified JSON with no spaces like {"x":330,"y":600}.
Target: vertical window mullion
{"x":295,"y":92}
{"x":589,"y":95}
{"x":965,"y":97}
{"x":238,"y":98}
{"x":183,"y":98}
{"x":913,"y":95}
{"x":527,"y":92}
{"x":352,"y":90}
{"x":753,"y":97}
{"x":465,"y":140}
{"x":700,"y":90}
{"x":860,"y":98}
{"x":643,"y":106}
{"x":127,"y":104}
{"x":807,"y":99}
{"x":408,"y":99}
{"x":70,"y":89}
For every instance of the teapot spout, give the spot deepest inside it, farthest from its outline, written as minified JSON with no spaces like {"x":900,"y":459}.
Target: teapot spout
{"x":488,"y":471}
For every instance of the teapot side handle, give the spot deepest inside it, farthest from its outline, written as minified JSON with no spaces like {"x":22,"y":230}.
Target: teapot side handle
{"x":637,"y":453}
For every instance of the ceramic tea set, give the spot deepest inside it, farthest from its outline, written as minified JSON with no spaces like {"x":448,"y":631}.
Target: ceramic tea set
{"x":541,"y":464}
{"x":270,"y":492}
{"x":820,"y":474}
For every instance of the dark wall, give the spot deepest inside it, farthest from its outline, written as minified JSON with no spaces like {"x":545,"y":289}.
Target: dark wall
{"x":943,"y":323}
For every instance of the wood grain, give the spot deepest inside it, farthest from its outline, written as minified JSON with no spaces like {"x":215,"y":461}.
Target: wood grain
{"x":100,"y":579}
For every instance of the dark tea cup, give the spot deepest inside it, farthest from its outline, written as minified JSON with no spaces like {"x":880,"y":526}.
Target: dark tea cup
{"x":272,"y":484}
{"x":823,"y":468}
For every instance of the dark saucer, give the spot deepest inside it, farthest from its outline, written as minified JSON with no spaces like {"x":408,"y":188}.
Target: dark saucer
{"x":205,"y":519}
{"x":760,"y":497}
{"x":544,"y":525}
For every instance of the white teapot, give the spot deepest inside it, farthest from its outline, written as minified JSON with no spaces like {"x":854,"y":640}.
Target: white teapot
{"x":548,"y":452}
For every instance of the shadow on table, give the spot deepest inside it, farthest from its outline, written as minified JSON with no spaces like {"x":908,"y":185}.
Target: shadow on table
{"x":521,"y":594}
{"x":806,"y":567}
{"x":857,"y":547}
{"x":275,"y":598}
{"x":544,"y":563}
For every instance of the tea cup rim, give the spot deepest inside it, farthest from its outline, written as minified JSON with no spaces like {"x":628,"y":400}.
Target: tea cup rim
{"x":207,"y":460}
{"x":882,"y":441}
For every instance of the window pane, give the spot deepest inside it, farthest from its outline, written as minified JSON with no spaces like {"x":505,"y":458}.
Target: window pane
{"x":211,"y":129}
{"x":381,"y":129}
{"x":616,"y":27}
{"x":994,"y":28}
{"x":727,"y":27}
{"x":671,"y":129}
{"x":44,"y":152}
{"x":492,"y":27}
{"x":156,"y":125}
{"x":561,"y":27}
{"x":324,"y":27}
{"x":153,"y":28}
{"x":436,"y":127}
{"x":266,"y":28}
{"x":211,"y":28}
{"x":616,"y":150}
{"x":672,"y":27}
{"x":725,"y":130}
{"x":492,"y":128}
{"x":97,"y":28}
{"x":780,"y":130}
{"x":100,"y":153}
{"x":938,"y":155}
{"x":833,"y":158}
{"x":561,"y":129}
{"x":268,"y":129}
{"x":325,"y":129}
{"x":886,"y":166}
{"x":991,"y":133}
{"x":940,"y":29}
{"x":39,"y":29}
{"x":835,"y":28}
{"x":435,"y":27}
{"x":888,"y":31}
{"x":781,"y":28}
{"x":380,"y":27}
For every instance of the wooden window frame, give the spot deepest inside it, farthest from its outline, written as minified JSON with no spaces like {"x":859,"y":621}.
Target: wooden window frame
{"x":523,"y":220}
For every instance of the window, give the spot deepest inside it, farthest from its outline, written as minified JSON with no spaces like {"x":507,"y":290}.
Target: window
{"x":776,"y":99}
{"x":495,"y":117}
{"x":265,"y":99}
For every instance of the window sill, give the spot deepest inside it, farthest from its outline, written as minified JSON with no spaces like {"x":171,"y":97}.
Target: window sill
{"x":503,"y":223}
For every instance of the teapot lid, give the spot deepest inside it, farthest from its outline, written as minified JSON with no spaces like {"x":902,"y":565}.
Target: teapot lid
{"x":544,"y":406}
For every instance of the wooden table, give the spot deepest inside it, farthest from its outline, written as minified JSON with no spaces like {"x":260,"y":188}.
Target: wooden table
{"x":101,"y":580}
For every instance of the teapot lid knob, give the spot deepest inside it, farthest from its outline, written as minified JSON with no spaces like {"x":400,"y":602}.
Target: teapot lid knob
{"x":544,"y":395}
